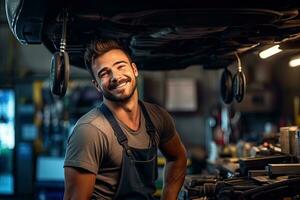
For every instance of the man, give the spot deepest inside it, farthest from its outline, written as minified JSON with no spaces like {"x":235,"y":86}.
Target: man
{"x":112,"y":151}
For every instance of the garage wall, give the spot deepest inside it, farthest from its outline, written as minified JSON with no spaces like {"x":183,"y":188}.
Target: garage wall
{"x":192,"y":127}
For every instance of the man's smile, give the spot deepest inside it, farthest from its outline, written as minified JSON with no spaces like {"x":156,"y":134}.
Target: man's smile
{"x":122,"y":85}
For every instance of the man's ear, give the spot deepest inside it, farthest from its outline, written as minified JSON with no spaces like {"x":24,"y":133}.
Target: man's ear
{"x":95,"y":83}
{"x":135,"y":70}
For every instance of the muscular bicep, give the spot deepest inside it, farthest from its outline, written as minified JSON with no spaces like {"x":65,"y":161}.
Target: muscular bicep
{"x":173,"y":149}
{"x":79,"y":184}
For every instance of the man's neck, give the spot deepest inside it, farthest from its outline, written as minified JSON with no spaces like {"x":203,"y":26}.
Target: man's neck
{"x":128,"y":112}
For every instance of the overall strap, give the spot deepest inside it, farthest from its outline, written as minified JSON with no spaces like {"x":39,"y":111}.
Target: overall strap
{"x":150,"y":128}
{"x":121,"y":137}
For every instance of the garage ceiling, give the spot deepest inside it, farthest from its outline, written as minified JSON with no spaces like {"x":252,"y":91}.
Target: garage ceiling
{"x":162,"y":35}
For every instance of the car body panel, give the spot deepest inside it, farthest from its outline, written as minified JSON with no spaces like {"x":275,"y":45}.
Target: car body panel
{"x":161,"y":35}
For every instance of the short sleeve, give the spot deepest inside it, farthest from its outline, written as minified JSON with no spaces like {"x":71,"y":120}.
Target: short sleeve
{"x":169,"y":129}
{"x":163,"y":121}
{"x":86,"y":148}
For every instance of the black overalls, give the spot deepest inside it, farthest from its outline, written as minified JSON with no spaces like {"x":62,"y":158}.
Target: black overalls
{"x":139,"y":166}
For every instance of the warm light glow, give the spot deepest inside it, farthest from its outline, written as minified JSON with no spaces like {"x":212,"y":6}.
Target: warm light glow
{"x":269,"y":52}
{"x":294,"y":62}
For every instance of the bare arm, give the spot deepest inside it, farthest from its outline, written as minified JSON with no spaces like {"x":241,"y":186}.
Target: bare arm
{"x":79,"y":184}
{"x":175,"y":168}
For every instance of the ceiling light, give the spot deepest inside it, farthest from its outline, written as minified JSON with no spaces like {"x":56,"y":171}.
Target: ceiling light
{"x":269,"y":52}
{"x":295,"y":62}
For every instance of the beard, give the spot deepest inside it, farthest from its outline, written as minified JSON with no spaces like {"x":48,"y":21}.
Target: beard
{"x":122,"y":98}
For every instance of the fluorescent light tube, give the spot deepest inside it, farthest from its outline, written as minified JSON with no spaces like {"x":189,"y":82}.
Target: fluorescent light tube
{"x":269,"y":52}
{"x":294,"y":62}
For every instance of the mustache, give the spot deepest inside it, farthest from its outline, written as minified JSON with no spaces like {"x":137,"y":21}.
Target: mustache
{"x":115,"y":84}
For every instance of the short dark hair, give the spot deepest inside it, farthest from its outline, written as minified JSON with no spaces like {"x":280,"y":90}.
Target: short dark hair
{"x":99,"y":47}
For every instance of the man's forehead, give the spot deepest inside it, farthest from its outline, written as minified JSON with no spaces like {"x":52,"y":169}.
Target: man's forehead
{"x":110,"y":58}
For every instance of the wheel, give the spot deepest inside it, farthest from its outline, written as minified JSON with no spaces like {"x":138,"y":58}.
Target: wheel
{"x":226,"y":86}
{"x":239,"y":86}
{"x":59,"y":75}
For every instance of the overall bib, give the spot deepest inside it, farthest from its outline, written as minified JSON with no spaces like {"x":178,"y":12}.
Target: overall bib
{"x":139,"y":166}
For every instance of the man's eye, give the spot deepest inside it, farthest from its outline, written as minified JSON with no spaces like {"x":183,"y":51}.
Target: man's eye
{"x":103,"y":74}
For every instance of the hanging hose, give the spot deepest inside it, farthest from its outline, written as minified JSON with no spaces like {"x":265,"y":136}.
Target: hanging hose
{"x":238,"y":61}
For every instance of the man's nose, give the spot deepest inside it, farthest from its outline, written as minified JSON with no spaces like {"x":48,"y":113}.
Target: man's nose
{"x":115,"y":76}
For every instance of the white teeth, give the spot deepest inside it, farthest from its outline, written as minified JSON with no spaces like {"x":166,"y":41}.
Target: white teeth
{"x":121,"y":85}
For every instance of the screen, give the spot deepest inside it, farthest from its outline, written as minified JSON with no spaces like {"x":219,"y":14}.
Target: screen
{"x":7,"y":140}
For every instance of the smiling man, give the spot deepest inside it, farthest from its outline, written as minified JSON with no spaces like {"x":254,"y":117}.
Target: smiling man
{"x":112,"y":151}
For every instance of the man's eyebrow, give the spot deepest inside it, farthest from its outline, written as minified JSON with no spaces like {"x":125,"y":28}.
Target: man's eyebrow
{"x":119,"y":62}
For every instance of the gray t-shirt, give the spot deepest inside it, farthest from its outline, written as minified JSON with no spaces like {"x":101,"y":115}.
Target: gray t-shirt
{"x":93,"y":146}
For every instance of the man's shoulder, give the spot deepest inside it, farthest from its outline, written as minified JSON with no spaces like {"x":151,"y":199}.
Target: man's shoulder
{"x":162,"y":121}
{"x":157,"y":113}
{"x":152,"y":107}
{"x":94,"y":124}
{"x":93,"y":117}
